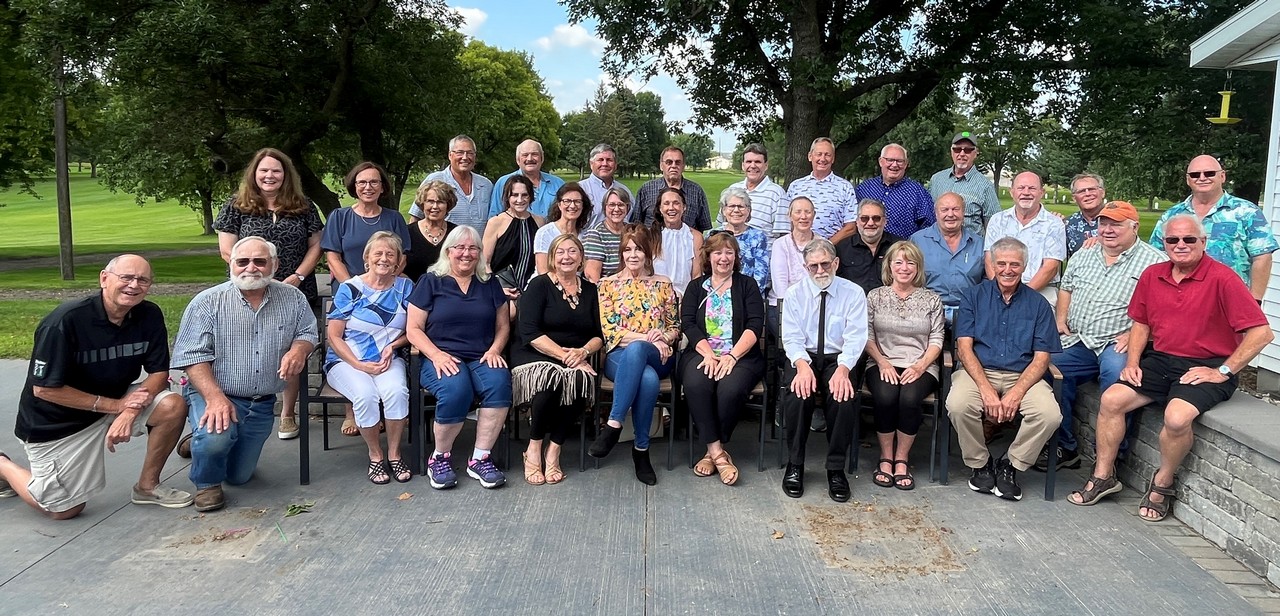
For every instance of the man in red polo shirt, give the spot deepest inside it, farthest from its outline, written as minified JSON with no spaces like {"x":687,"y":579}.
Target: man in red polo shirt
{"x":1204,"y":327}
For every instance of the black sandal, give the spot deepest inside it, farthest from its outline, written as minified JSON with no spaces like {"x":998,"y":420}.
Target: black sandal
{"x":1161,"y":508}
{"x":881,"y":478}
{"x":378,"y":468}
{"x":903,"y":477}
{"x":400,"y":469}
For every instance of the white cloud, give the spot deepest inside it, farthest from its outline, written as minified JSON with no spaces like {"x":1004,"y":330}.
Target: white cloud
{"x":572,"y":37}
{"x":472,"y":19}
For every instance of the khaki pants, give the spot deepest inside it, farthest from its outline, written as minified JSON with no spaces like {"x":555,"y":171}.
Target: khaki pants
{"x":1039,"y":410}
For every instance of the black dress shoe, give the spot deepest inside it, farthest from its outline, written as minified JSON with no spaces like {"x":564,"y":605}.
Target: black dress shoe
{"x":793,"y":480}
{"x":838,"y":486}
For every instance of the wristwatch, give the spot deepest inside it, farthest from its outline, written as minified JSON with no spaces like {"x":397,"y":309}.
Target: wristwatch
{"x":301,"y":278}
{"x":1225,"y":370}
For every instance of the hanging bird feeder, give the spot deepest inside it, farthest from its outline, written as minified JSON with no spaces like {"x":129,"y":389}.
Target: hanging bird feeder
{"x":1224,"y":116}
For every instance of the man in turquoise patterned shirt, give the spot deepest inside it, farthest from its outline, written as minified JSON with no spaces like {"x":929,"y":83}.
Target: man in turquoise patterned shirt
{"x":1239,"y":234}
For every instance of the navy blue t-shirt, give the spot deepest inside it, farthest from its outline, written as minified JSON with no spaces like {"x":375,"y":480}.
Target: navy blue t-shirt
{"x":1006,"y":336}
{"x":461,"y":325}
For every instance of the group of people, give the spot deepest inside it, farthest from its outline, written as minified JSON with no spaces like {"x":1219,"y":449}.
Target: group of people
{"x":510,"y":290}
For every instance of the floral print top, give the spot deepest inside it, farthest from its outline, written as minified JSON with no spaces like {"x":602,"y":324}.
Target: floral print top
{"x":719,"y":322}
{"x":637,"y":306}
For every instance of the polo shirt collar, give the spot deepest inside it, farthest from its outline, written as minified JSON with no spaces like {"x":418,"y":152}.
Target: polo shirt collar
{"x":100,"y":311}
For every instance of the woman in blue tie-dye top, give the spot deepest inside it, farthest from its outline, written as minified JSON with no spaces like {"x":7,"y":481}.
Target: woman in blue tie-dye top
{"x":366,"y":326}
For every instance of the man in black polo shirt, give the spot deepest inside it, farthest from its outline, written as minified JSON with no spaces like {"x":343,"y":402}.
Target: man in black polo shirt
{"x":862,"y":254}
{"x":79,"y":397}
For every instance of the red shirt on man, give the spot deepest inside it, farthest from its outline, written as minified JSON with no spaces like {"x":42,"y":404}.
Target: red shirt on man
{"x":1202,"y":316}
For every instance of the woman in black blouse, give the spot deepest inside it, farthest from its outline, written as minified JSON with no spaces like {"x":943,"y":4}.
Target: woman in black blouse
{"x":436,"y":199}
{"x":270,"y":205}
{"x":722,"y":315}
{"x":559,"y":321}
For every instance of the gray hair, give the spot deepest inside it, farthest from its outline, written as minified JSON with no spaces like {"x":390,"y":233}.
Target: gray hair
{"x":869,"y":201}
{"x":798,"y":198}
{"x":735,"y":191}
{"x":386,"y":237}
{"x":756,"y":148}
{"x":1006,"y":244}
{"x":822,"y":245}
{"x":1200,"y":231}
{"x":460,"y":138}
{"x":815,"y":143}
{"x":535,"y":142}
{"x":462,"y":232}
{"x":905,"y":154}
{"x":1087,"y":176}
{"x":271,"y":248}
{"x":602,"y":147}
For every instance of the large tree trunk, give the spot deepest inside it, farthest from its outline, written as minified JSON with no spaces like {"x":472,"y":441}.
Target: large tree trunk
{"x":313,"y":186}
{"x":206,"y":209}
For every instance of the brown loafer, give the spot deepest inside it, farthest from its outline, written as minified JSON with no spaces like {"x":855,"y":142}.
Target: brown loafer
{"x":210,"y":498}
{"x":184,"y":447}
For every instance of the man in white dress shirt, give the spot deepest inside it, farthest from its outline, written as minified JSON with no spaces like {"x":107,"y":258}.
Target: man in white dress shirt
{"x":824,"y":331}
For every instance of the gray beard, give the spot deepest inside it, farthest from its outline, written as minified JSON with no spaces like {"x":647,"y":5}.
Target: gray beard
{"x":245,"y":283}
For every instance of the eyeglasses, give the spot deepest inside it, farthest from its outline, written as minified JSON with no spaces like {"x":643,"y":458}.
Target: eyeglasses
{"x":520,"y":196}
{"x":735,"y":206}
{"x":1189,"y":240}
{"x":1086,"y":190}
{"x":463,"y":153}
{"x":434,"y":202}
{"x":1195,"y":175}
{"x":719,"y":232}
{"x":820,"y":266}
{"x":572,"y":202}
{"x":466,"y":248}
{"x":245,"y":261}
{"x":368,"y":182}
{"x":894,"y":161}
{"x":129,"y":279}
{"x":955,"y":149}
{"x":671,"y":161}
{"x":870,"y":218}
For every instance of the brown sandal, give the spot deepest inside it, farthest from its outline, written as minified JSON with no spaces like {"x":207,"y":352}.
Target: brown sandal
{"x":705,"y":467}
{"x":533,"y":471}
{"x":1161,"y":508}
{"x":1101,"y":487}
{"x":724,"y":466}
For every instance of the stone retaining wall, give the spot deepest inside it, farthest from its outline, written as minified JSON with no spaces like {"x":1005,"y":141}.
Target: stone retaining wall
{"x":1227,"y":489}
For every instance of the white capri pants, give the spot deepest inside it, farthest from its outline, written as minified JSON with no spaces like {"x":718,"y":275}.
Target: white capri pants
{"x":364,"y":390}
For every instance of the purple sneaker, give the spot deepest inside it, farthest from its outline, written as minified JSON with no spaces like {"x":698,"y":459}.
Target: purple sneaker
{"x":488,"y":474}
{"x":440,"y":472}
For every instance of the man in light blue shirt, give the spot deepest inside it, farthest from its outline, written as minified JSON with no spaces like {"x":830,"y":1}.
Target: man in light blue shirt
{"x":604,"y":161}
{"x":953,"y":255}
{"x":529,"y":158}
{"x":834,"y":206}
{"x":474,"y":191}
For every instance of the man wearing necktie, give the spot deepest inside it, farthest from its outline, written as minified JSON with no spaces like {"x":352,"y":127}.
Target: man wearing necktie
{"x":824,"y":331}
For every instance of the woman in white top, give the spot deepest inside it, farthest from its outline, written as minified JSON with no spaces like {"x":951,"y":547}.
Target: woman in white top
{"x":569,"y":215}
{"x":786,"y":266}
{"x":673,"y":254}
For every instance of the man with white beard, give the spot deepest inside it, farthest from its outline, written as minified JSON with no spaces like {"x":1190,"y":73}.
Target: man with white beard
{"x":239,"y":343}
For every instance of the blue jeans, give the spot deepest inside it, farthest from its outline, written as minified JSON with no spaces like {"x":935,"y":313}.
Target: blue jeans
{"x":636,"y":370}
{"x":454,"y":394}
{"x":232,"y":455}
{"x":1079,"y":365}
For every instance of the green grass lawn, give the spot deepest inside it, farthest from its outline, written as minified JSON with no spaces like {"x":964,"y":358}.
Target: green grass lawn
{"x":18,"y":320}
{"x":101,"y":222}
{"x":208,"y":269}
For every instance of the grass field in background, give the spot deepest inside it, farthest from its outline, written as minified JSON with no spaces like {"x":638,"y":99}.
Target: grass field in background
{"x":175,"y":269}
{"x":18,"y":320}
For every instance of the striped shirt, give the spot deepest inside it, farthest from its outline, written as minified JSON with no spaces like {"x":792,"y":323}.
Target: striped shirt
{"x":769,"y":208}
{"x":596,"y":190}
{"x":833,"y":203}
{"x":980,"y":199}
{"x":1100,"y":293}
{"x":243,"y":345}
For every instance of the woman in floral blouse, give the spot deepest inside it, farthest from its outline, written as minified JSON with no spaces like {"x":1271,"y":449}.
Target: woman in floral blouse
{"x":723,"y":318}
{"x":638,"y":316}
{"x":735,"y":206}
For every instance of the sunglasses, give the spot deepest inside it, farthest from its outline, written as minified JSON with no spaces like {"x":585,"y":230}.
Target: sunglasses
{"x":963,"y":149}
{"x":870,"y":218}
{"x":820,"y":266}
{"x":1189,"y":240}
{"x":244,"y":262}
{"x":719,"y":232}
{"x":1195,"y":175}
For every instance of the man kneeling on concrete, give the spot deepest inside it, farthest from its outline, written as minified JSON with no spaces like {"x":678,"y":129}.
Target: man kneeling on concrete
{"x":239,"y":342}
{"x":79,"y":397}
{"x":1204,"y":327}
{"x":1005,"y":332}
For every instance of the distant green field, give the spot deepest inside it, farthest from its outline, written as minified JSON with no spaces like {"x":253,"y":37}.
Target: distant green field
{"x":180,"y":269}
{"x":18,"y":319}
{"x":101,"y":222}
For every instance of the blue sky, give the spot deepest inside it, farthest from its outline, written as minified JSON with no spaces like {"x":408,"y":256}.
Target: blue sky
{"x":567,"y":56}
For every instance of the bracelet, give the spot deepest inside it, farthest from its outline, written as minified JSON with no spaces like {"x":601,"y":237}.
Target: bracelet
{"x":735,"y":357}
{"x":300,"y":276}
{"x":95,"y":403}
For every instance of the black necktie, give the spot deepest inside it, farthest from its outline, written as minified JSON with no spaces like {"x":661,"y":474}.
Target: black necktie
{"x":822,"y":326}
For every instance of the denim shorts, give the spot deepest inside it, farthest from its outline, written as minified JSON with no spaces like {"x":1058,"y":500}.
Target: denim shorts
{"x":474,"y":381}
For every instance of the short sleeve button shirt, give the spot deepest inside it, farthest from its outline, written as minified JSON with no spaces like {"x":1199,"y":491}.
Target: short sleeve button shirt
{"x":1006,"y":336}
{"x":1236,"y":228}
{"x":908,"y":206}
{"x":833,"y":202}
{"x":1045,"y":237}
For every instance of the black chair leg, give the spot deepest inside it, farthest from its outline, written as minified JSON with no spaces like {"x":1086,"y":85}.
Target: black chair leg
{"x":304,"y":434}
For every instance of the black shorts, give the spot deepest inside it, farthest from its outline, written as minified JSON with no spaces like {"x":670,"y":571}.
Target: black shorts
{"x":1160,"y":374}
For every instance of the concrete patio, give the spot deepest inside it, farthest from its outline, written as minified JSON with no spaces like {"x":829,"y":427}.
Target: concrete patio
{"x":601,"y":543}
